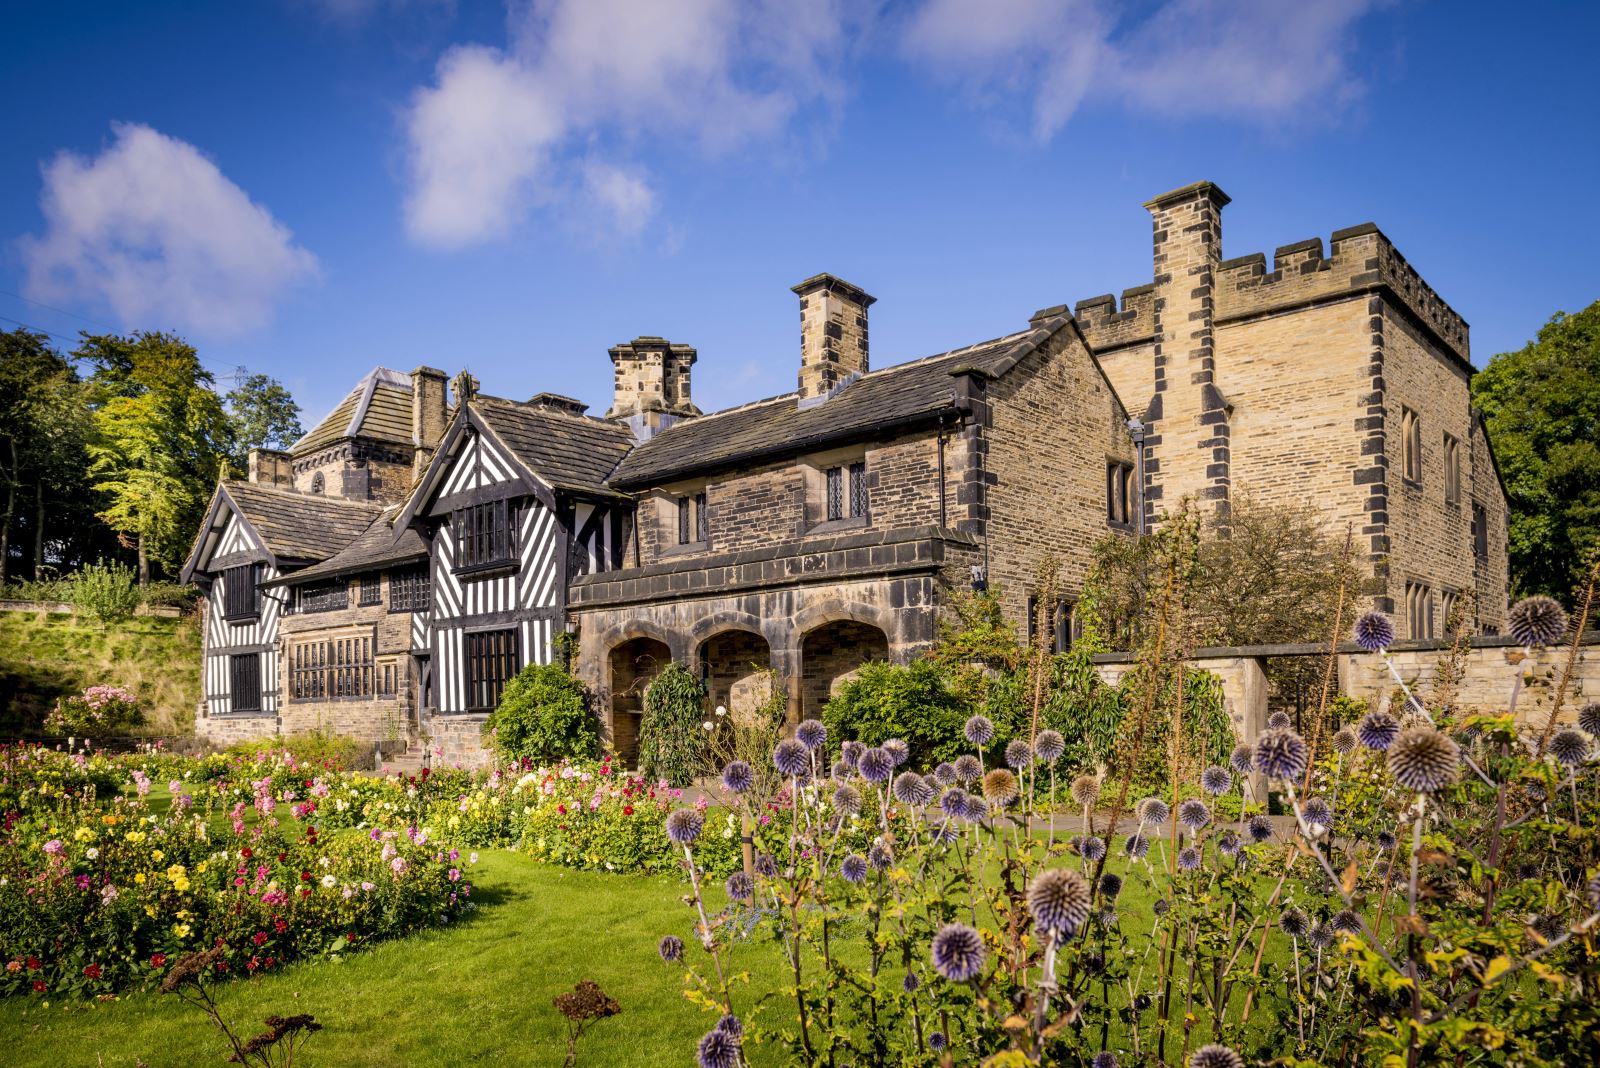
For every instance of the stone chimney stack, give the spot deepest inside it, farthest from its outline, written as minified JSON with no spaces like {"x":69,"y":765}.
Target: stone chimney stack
{"x":428,"y":416}
{"x":269,"y":467}
{"x":833,"y":333}
{"x":652,"y":384}
{"x":1189,"y":435}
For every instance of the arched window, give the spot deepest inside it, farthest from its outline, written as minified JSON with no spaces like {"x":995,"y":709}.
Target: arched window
{"x":317,"y":483}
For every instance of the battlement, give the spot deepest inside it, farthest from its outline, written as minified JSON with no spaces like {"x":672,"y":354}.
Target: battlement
{"x":1362,"y":259}
{"x":1106,"y":327}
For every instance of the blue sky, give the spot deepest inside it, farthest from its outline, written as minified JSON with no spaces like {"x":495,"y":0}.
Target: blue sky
{"x":313,"y":187}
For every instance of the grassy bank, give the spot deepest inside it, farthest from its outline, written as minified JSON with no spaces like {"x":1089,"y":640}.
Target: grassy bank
{"x":45,"y":655}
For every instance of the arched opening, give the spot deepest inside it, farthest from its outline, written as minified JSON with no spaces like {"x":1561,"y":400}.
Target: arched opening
{"x":831,"y":655}
{"x":634,"y":664}
{"x":318,"y":484}
{"x":734,"y":666}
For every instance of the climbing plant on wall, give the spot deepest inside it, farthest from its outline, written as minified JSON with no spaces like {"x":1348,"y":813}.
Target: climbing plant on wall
{"x":672,"y":742}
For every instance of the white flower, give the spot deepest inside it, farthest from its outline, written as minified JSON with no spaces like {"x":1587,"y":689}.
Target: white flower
{"x":329,"y":881}
{"x":472,"y":858}
{"x":92,"y":853}
{"x":708,"y":725}
{"x":722,"y":710}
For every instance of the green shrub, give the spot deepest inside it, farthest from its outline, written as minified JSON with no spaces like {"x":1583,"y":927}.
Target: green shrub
{"x":169,"y":595}
{"x":96,"y":712}
{"x":914,"y":703}
{"x":319,"y":748}
{"x":672,"y":743}
{"x":105,"y":592}
{"x":544,"y":716}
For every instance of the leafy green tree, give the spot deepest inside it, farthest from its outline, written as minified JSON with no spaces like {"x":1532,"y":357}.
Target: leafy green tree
{"x":913,"y":702}
{"x":44,"y":427}
{"x":543,"y":715}
{"x":261,"y":415}
{"x":1542,"y":406}
{"x":161,"y":438}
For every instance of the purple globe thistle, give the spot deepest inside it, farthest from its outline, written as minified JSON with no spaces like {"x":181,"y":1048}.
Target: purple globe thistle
{"x":1058,"y":898}
{"x":853,"y":868}
{"x":1589,"y":718}
{"x":937,"y":1041}
{"x":944,"y":834}
{"x":1317,"y":812}
{"x":1344,"y":741}
{"x":1345,"y":921}
{"x":1259,"y":828}
{"x":1085,"y":790}
{"x":684,"y":825}
{"x":1242,"y":759}
{"x":1188,"y":859}
{"x":1569,"y":747}
{"x":944,"y":773}
{"x":1424,"y":760}
{"x":850,"y":751}
{"x":1549,"y":926}
{"x":791,"y":758}
{"x":977,"y":808}
{"x":912,"y":789}
{"x":1194,"y":814}
{"x":1000,"y":788}
{"x":1374,"y":632}
{"x":1215,"y":1056}
{"x":671,"y":948}
{"x":1294,"y":922}
{"x":910,"y":983}
{"x":1592,"y":891}
{"x":880,"y":856}
{"x":1110,"y":884}
{"x":738,"y":776}
{"x":1378,"y":730}
{"x":1320,"y":936}
{"x":846,"y":799}
{"x":1386,"y":840}
{"x":968,"y":768}
{"x":954,"y":803}
{"x":1281,"y":754}
{"x":811,"y":733}
{"x":842,"y":770}
{"x":766,"y":866}
{"x":979,"y":730}
{"x":718,"y":1049}
{"x":1104,"y":1059}
{"x":958,"y":952}
{"x":1019,"y":754}
{"x":897,"y":749}
{"x":1279,"y":721}
{"x":876,"y":766}
{"x":1216,"y":780}
{"x":1537,"y":621}
{"x":1153,"y":810}
{"x":1228,"y":844}
{"x":1049,"y":745}
{"x":731,"y":1025}
{"x":1136,"y":846}
{"x":1161,"y":907}
{"x":1091,"y":848}
{"x":740,"y":887}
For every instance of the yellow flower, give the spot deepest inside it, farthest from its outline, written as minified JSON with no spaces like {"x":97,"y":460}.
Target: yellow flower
{"x":158,"y":856}
{"x":181,"y":885}
{"x":181,"y":930}
{"x":139,"y":878}
{"x":83,"y":834}
{"x":135,"y":836}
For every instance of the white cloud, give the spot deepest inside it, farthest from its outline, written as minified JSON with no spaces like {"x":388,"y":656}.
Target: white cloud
{"x":502,"y":130}
{"x":1261,"y":60}
{"x":156,"y":232}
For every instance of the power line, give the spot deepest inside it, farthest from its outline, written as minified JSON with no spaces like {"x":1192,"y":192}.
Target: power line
{"x":59,"y":311}
{"x":236,"y":376}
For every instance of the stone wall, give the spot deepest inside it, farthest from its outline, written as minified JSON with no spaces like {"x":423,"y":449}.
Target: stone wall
{"x":1053,"y":426}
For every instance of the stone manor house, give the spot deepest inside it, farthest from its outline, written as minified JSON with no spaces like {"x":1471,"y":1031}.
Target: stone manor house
{"x":391,"y":571}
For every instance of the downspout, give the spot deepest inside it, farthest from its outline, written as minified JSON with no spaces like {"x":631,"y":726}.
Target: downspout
{"x":941,"y":473}
{"x":1136,"y":431}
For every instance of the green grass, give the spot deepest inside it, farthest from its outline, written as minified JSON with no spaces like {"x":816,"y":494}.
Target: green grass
{"x":45,"y":655}
{"x":477,"y":992}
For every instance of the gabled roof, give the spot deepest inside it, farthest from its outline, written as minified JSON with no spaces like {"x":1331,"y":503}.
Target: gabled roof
{"x":565,"y":451}
{"x":895,"y":396}
{"x":378,"y":408}
{"x":299,"y":526}
{"x":377,"y":547}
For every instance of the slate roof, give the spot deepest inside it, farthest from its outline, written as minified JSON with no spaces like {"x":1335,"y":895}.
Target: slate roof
{"x":378,"y":408}
{"x":377,"y":547}
{"x":299,"y":526}
{"x":894,"y":396}
{"x":570,"y":452}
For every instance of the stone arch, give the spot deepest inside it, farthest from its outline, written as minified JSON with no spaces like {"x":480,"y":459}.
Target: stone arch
{"x":733,"y":663}
{"x":631,"y":665}
{"x":814,"y":616}
{"x":831,"y":653}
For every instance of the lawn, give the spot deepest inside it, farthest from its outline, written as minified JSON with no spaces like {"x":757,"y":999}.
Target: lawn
{"x":476,"y":993}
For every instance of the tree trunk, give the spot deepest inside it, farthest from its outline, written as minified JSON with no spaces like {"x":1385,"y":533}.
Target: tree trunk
{"x":144,"y":564}
{"x":11,"y":511}
{"x":38,"y":533}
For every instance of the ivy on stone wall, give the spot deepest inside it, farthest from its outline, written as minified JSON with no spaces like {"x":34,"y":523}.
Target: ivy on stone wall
{"x":672,"y":742}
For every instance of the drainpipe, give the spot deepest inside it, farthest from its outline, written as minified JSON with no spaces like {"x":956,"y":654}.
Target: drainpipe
{"x":941,"y":472}
{"x":1136,"y":432}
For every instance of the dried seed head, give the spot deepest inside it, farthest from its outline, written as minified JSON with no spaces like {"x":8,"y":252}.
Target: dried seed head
{"x":1085,"y":790}
{"x":1058,"y":898}
{"x":1000,"y":788}
{"x":1019,"y":754}
{"x":1424,"y":760}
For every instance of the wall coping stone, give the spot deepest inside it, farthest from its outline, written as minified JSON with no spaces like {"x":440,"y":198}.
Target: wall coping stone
{"x":1421,"y":645}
